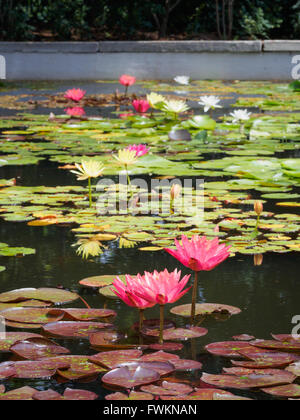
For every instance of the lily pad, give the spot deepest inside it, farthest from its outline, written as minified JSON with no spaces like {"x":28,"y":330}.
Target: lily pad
{"x":37,"y":348}
{"x":205,"y":309}
{"x":56,"y":296}
{"x":125,"y":378}
{"x":286,"y":391}
{"x":112,"y":359}
{"x":69,"y":329}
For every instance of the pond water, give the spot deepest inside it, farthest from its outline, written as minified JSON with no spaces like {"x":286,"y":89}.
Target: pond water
{"x":268,"y":295}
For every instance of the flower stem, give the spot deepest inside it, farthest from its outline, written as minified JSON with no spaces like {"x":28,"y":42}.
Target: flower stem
{"x":257,"y":223}
{"x":161,"y":330}
{"x":126,"y":91}
{"x":141,"y":311}
{"x":90,"y":192}
{"x":194,"y":298}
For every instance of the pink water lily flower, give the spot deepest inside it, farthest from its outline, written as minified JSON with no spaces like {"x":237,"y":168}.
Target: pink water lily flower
{"x":127,"y":80}
{"x":161,"y":288}
{"x":75,"y":112}
{"x":126,"y":292}
{"x":200,"y":253}
{"x":75,"y":94}
{"x":141,"y":105}
{"x":139,"y":149}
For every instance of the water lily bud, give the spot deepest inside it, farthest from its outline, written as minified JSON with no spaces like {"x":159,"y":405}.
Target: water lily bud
{"x":175,"y":191}
{"x":258,"y":207}
{"x":258,"y":260}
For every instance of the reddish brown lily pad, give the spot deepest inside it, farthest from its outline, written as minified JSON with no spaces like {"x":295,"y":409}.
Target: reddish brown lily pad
{"x":294,"y":369}
{"x":203,"y":309}
{"x":125,"y":378}
{"x":79,"y":367}
{"x":166,"y":346}
{"x":104,"y":339}
{"x":287,"y":338}
{"x":286,"y":391}
{"x":243,"y":337}
{"x":37,"y":348}
{"x":259,"y":355}
{"x":137,"y":396}
{"x":227,"y":348}
{"x":23,"y":326}
{"x":112,"y":359}
{"x":154,"y":324}
{"x":245,"y":382}
{"x":99,"y":281}
{"x":277,"y":345}
{"x":12,"y":337}
{"x":40,"y":369}
{"x":7,"y":370}
{"x":200,"y":394}
{"x":69,"y":394}
{"x":180,"y":364}
{"x":259,"y":364}
{"x":163,"y":368}
{"x":25,"y":393}
{"x":181,"y":334}
{"x":25,"y":304}
{"x":69,"y":329}
{"x":288,"y":377}
{"x":87,"y":314}
{"x":31,"y":315}
{"x":159,"y":356}
{"x":168,"y":388}
{"x":57,"y":296}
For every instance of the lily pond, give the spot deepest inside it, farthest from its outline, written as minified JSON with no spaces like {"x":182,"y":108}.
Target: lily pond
{"x":213,"y":313}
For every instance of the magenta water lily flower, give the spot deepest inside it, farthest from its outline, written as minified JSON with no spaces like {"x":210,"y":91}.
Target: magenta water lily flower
{"x":199,"y":253}
{"x":127,"y":80}
{"x":162,"y":288}
{"x":75,"y":94}
{"x":126,"y":292}
{"x":141,"y":105}
{"x":139,"y":149}
{"x":75,"y":112}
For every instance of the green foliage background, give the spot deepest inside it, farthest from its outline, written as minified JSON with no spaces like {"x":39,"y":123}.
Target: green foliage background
{"x":134,"y":19}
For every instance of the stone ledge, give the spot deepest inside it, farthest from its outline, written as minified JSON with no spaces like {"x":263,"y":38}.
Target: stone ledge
{"x":179,"y":46}
{"x":49,"y":47}
{"x":282,"y":46}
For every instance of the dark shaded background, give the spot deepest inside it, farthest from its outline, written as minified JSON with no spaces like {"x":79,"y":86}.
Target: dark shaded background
{"x":37,"y":20}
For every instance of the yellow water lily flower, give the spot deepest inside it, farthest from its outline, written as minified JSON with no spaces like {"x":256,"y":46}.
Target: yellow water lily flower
{"x":126,"y":157}
{"x":155,"y":99}
{"x":89,"y":248}
{"x":175,"y":106}
{"x":125,"y":243}
{"x":88,"y":169}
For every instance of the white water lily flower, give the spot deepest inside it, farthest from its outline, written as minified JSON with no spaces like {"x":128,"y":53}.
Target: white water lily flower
{"x":240,"y":115}
{"x":182,"y":80}
{"x":175,"y":107}
{"x":126,"y":157}
{"x":88,"y":169}
{"x":210,"y":102}
{"x":155,"y":99}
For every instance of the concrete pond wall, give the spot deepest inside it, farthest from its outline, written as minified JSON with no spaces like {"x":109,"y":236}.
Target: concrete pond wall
{"x":161,"y":60}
